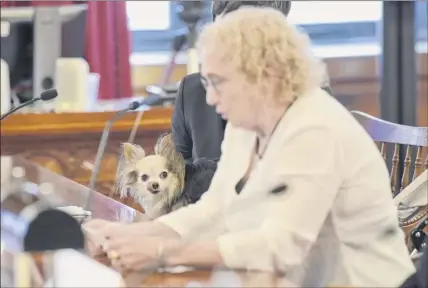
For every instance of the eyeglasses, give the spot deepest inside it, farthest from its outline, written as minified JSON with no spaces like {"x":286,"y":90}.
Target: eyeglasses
{"x":214,"y":81}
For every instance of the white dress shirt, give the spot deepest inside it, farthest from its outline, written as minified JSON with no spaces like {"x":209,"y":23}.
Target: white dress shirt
{"x":336,"y":224}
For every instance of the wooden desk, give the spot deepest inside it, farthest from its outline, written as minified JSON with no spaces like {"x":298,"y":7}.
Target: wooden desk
{"x":63,"y":142}
{"x":69,"y":192}
{"x":208,"y":278}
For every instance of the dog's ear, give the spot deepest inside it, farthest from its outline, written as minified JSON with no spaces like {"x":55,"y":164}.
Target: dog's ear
{"x":163,"y":142}
{"x":132,"y":153}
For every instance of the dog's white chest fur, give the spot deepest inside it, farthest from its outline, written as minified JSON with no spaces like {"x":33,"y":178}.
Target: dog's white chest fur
{"x":154,"y":208}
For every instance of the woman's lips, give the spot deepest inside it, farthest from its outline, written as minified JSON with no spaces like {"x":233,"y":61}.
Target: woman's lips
{"x":223,"y":115}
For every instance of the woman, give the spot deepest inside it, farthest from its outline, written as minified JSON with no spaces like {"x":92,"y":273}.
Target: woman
{"x":300,"y":187}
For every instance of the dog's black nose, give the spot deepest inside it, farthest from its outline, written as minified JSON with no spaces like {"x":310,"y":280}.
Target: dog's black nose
{"x":155,"y":185}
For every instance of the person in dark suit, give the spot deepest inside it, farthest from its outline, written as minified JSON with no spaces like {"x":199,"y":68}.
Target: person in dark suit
{"x":196,"y":127}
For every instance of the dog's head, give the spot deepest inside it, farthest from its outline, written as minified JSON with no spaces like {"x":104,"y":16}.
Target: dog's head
{"x":148,"y":177}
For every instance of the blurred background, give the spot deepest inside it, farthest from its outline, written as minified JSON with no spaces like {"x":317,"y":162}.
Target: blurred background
{"x":347,"y":34}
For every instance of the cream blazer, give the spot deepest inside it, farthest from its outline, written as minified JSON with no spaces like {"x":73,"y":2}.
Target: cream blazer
{"x":335,"y":224}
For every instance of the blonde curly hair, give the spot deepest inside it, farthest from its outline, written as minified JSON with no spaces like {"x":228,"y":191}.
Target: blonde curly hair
{"x":263,"y":45}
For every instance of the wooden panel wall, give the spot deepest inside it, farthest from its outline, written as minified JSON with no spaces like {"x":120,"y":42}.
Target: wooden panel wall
{"x":354,"y":80}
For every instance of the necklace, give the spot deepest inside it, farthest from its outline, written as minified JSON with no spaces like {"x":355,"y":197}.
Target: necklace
{"x":260,"y":153}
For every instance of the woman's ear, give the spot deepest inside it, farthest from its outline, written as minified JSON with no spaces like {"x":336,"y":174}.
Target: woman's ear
{"x":133,"y":153}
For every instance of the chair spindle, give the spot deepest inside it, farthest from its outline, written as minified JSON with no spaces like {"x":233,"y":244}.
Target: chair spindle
{"x":394,"y":169}
{"x":418,"y":163}
{"x":405,"y":179}
{"x":383,"y":150}
{"x":426,"y":163}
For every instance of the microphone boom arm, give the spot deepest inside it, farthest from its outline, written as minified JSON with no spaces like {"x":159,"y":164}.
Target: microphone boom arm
{"x":20,"y":107}
{"x":102,"y":146}
{"x":44,"y":96}
{"x":101,"y":149}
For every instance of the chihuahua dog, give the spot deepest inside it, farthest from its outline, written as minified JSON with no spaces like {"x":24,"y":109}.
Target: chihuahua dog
{"x":162,"y":182}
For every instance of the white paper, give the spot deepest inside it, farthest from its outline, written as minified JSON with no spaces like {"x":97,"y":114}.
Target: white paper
{"x":415,"y":194}
{"x":176,"y":269}
{"x":74,"y":269}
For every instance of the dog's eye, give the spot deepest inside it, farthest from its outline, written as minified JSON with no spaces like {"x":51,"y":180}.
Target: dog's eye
{"x":144,"y":177}
{"x":132,"y":177}
{"x":164,"y":174}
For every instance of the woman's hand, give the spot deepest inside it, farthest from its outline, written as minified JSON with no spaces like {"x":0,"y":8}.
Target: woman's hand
{"x":96,"y":232}
{"x":134,"y":251}
{"x":128,"y":246}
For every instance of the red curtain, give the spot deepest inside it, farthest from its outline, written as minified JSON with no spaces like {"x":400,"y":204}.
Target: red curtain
{"x":10,"y":3}
{"x":108,"y":47}
{"x":107,"y":43}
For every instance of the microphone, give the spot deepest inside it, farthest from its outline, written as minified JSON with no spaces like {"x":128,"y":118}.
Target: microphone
{"x":157,"y":96}
{"x":41,"y":226}
{"x":53,"y":229}
{"x":44,"y":96}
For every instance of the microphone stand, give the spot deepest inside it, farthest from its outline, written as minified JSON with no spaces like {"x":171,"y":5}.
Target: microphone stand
{"x":177,"y":45}
{"x":11,"y":111}
{"x":151,"y":100}
{"x":103,"y":143}
{"x":191,"y":12}
{"x":192,"y":54}
{"x":100,"y":151}
{"x":155,"y":98}
{"x":45,"y":96}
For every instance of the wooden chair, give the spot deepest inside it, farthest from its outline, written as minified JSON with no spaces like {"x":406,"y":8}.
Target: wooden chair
{"x":390,"y":133}
{"x":412,"y":138}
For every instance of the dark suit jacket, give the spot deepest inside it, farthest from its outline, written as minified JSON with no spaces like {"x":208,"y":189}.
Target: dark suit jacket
{"x":420,"y":278}
{"x":196,"y":127}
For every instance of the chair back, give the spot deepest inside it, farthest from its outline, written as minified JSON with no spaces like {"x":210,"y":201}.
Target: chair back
{"x":412,"y":138}
{"x":411,"y":215}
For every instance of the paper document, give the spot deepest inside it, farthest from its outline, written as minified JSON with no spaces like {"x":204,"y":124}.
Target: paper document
{"x":74,"y":269}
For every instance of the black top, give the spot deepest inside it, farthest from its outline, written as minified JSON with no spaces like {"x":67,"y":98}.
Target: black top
{"x":420,"y":278}
{"x":196,"y":127}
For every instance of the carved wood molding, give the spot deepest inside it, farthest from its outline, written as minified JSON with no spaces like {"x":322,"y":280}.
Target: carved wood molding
{"x":77,"y":123}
